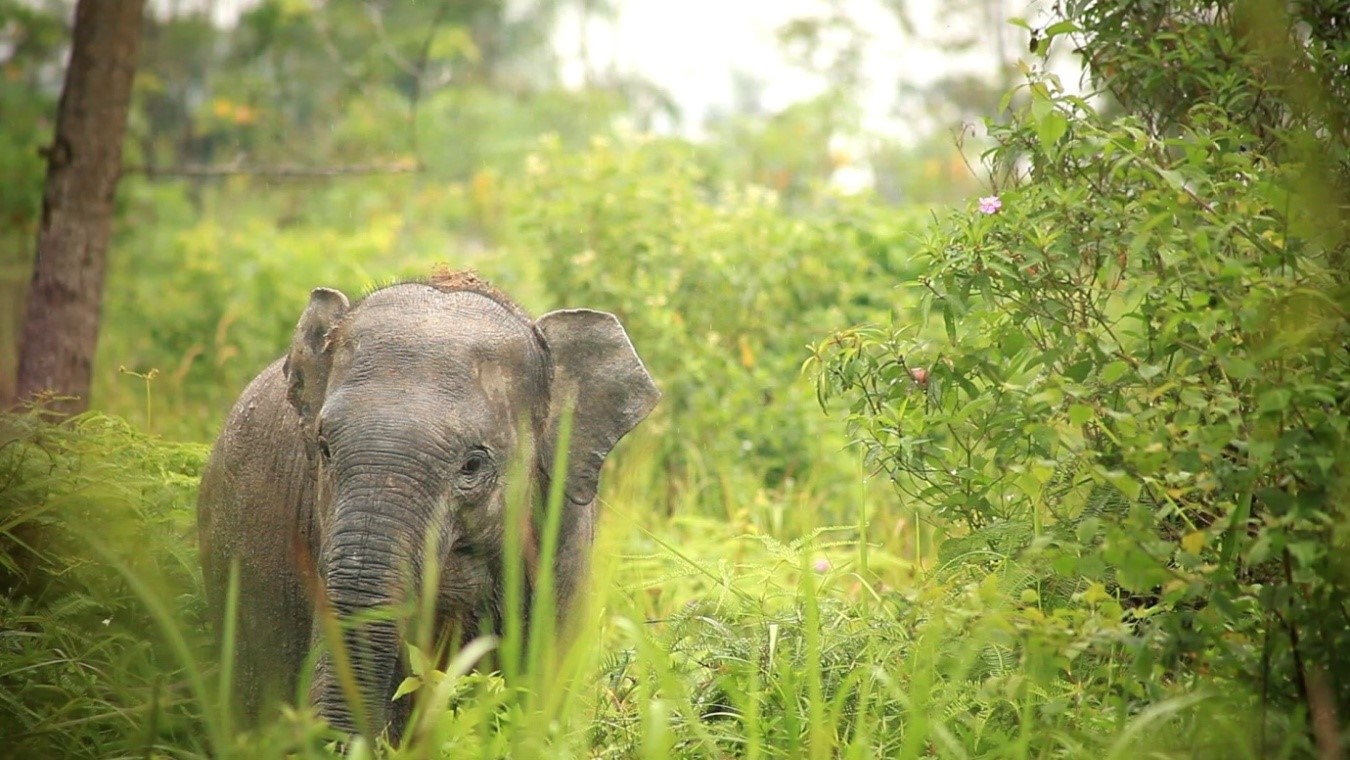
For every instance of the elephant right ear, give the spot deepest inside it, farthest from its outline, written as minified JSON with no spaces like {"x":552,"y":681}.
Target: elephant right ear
{"x":598,"y":375}
{"x":309,"y":361}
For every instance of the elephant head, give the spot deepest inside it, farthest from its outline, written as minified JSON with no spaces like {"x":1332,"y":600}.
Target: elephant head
{"x":413,"y":403}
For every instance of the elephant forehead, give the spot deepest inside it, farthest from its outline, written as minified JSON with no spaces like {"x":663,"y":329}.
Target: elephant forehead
{"x":437,"y":322}
{"x":415,"y":299}
{"x":439,"y":339}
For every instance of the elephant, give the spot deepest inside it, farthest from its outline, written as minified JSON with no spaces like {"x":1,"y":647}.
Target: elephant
{"x":380,"y":445}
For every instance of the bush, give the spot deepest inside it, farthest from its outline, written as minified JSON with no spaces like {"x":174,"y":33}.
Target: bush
{"x":719,"y":288}
{"x":1135,"y":373}
{"x":96,"y":529}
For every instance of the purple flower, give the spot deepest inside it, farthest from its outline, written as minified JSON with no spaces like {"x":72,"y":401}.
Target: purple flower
{"x":822,"y":565}
{"x":990,"y":204}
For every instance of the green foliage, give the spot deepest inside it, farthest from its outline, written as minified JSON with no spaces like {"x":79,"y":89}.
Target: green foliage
{"x":478,"y":129}
{"x":749,"y":647}
{"x":299,"y":75}
{"x":1269,"y":66}
{"x":84,"y":506}
{"x":720,"y":288}
{"x":210,"y":298}
{"x":30,"y":35}
{"x":787,"y":152}
{"x":1135,"y":372}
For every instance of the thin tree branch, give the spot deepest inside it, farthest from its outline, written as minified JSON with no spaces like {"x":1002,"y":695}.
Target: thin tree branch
{"x":376,"y":17}
{"x":321,"y":29}
{"x":419,"y":75}
{"x":280,"y":171}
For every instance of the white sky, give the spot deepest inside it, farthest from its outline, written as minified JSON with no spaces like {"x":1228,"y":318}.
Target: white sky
{"x":692,"y":48}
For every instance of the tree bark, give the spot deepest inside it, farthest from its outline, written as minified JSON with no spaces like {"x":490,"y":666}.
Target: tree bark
{"x":61,"y":320}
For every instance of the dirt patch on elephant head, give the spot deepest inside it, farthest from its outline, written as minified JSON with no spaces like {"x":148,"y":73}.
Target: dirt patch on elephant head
{"x":449,"y":280}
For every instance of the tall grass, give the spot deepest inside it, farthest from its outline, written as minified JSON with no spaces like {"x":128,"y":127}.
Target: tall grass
{"x":723,"y":618}
{"x":702,"y":637}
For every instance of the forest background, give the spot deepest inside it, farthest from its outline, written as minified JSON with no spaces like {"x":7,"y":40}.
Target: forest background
{"x":1021,"y":434}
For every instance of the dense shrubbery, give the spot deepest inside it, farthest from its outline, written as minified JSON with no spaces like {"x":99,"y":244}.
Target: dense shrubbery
{"x":722,"y":290}
{"x":96,"y":542}
{"x":1137,"y":376}
{"x":719,"y":642}
{"x":209,"y":297}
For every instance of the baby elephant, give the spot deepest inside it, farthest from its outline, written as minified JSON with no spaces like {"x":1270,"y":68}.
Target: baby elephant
{"x":378,"y":449}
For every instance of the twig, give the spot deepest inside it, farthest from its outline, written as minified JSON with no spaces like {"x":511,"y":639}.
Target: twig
{"x":376,"y":17}
{"x":348,"y":71}
{"x":279,"y":171}
{"x":415,"y":99}
{"x":1300,"y":670}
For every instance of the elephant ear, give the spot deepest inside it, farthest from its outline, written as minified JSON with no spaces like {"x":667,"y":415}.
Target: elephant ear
{"x":308,"y":363}
{"x":597,"y":372}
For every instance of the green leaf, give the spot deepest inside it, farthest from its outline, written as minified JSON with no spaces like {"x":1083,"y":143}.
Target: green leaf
{"x":1239,"y":367}
{"x":1274,"y":400}
{"x":1173,"y":178}
{"x":1088,"y":528}
{"x":1126,"y":484}
{"x":409,"y":685}
{"x":1081,"y":414}
{"x":1061,"y":27}
{"x":417,"y":662}
{"x":1114,"y":371}
{"x":1050,"y":128}
{"x":1041,"y":104}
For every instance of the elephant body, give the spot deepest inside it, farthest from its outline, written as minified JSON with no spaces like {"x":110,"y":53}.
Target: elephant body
{"x":379,"y":447}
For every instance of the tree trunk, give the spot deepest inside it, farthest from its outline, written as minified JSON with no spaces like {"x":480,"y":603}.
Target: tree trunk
{"x":60,"y":330}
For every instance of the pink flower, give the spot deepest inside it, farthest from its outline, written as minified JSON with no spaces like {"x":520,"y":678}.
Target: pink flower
{"x":920,"y":375}
{"x":822,"y":565}
{"x":990,"y":204}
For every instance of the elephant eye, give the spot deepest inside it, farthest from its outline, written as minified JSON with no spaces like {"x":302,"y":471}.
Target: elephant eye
{"x":323,"y":448}
{"x":474,"y":463}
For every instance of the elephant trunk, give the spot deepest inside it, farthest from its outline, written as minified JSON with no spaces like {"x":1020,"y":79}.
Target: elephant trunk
{"x":373,"y":562}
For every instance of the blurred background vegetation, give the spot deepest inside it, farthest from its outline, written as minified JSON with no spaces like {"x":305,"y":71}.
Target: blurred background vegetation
{"x":927,"y":480}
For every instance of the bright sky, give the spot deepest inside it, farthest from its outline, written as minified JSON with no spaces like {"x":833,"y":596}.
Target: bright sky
{"x":692,"y":48}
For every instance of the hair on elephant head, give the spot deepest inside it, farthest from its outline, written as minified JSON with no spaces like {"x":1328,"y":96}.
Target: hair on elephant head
{"x":402,"y":414}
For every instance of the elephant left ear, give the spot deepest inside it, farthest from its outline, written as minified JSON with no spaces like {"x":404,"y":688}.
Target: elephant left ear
{"x":597,"y":371}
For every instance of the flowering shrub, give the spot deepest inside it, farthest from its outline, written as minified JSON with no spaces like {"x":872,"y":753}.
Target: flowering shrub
{"x":1136,"y":374}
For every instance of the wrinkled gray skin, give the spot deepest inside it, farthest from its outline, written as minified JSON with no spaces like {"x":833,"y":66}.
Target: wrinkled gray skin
{"x":392,"y":420}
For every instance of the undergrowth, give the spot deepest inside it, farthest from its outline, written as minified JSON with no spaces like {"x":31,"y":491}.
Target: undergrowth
{"x":707,"y":638}
{"x":95,"y":516}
